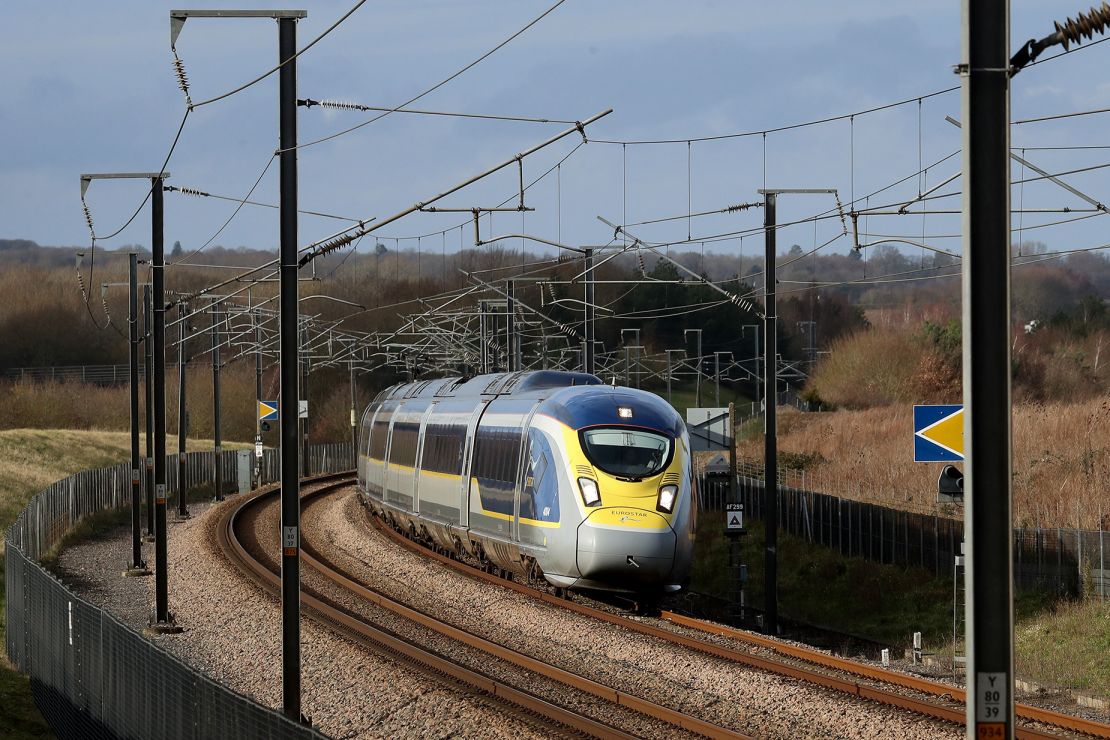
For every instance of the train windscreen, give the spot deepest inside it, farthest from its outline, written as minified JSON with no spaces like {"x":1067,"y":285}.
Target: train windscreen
{"x":627,"y":453}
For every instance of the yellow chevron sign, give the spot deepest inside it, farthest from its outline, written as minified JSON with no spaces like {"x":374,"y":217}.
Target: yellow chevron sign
{"x":938,"y":433}
{"x":267,"y":410}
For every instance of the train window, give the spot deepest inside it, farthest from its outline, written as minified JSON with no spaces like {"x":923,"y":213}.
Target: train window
{"x":443,"y":445}
{"x":378,"y":435}
{"x":403,"y":449}
{"x":539,"y":498}
{"x":627,"y":453}
{"x":497,"y":454}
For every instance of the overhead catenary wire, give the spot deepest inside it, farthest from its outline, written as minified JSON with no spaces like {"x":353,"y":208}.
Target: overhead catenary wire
{"x":230,"y":218}
{"x":344,"y":105}
{"x":554,"y":168}
{"x":777,"y":129}
{"x":343,"y":237}
{"x":196,"y":192}
{"x":439,"y":84}
{"x":269,"y":72}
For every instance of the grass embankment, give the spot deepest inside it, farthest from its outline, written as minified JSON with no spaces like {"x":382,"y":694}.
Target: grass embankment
{"x":820,"y":587}
{"x":1058,"y":643}
{"x":1061,"y":454}
{"x":30,"y":460}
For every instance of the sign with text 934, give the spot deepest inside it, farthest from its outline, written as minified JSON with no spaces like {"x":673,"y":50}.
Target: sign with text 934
{"x":991,"y":696}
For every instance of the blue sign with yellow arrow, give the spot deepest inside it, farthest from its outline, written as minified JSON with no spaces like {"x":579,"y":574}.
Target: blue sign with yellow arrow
{"x":938,"y":433}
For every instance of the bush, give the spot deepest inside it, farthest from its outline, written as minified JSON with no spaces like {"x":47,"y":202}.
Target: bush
{"x":870,"y":368}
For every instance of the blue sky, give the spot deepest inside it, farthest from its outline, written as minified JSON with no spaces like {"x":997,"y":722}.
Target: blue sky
{"x":89,"y":87}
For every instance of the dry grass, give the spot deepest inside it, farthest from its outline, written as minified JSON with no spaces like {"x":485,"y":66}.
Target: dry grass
{"x":1061,"y":460}
{"x":32,"y":459}
{"x":75,"y":405}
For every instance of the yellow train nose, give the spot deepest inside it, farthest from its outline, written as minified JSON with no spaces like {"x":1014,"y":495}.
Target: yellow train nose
{"x":626,"y":546}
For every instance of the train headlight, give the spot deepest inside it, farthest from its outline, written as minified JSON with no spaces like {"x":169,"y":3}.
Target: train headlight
{"x":590,"y":495}
{"x":667,"y":496}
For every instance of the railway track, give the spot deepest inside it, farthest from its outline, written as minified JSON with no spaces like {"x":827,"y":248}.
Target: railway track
{"x":940,"y":701}
{"x":242,"y":549}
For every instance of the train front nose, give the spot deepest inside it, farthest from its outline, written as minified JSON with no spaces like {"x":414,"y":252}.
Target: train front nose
{"x":626,"y":547}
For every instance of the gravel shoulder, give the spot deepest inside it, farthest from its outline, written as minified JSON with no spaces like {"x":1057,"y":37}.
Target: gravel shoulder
{"x":232,"y":634}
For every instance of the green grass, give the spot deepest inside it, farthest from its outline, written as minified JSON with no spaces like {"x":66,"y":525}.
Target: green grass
{"x":1067,"y":645}
{"x":818,"y":586}
{"x":684,"y":397}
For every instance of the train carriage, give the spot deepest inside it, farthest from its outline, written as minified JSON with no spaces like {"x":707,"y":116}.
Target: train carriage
{"x":538,"y":473}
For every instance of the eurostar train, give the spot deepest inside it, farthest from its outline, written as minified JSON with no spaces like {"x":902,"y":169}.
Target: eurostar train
{"x":542,"y":473}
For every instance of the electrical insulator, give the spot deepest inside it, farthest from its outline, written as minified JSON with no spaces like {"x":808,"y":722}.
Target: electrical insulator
{"x":343,"y":105}
{"x":182,"y":77}
{"x":1085,"y":25}
{"x":840,"y":210}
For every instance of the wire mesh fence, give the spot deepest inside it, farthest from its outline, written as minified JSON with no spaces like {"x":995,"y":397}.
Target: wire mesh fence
{"x":91,"y":675}
{"x":1067,"y":561}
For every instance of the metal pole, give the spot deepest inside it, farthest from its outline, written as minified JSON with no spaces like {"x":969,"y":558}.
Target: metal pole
{"x":669,"y":398}
{"x":148,"y":389}
{"x":697,"y":366}
{"x":182,"y":507}
{"x":590,"y":312}
{"x":217,"y":464}
{"x":510,"y":325}
{"x":163,"y":622}
{"x":354,"y":411}
{"x":304,"y":396}
{"x":289,"y":400}
{"x":257,"y":393}
{"x":697,"y":387}
{"x":988,"y":582}
{"x":138,"y":567}
{"x":483,"y":355}
{"x":717,"y":379}
{"x":770,"y":452}
{"x":755,"y":357}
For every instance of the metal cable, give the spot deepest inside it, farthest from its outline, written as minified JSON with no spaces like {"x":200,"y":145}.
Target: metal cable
{"x":230,"y":218}
{"x":789,"y":127}
{"x":344,"y":105}
{"x":438,"y":85}
{"x":264,"y":75}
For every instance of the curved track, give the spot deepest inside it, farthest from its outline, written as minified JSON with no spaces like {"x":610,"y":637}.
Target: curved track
{"x":812,"y":666}
{"x":242,"y":549}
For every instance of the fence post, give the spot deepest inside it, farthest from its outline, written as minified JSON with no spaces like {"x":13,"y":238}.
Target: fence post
{"x":1101,"y":561}
{"x":840,"y":523}
{"x":1059,"y":557}
{"x":1019,"y":545}
{"x":1078,"y":553}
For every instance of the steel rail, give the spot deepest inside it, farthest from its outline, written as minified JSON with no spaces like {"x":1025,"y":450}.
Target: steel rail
{"x":815,"y":657}
{"x":567,"y":678}
{"x":392,"y":646}
{"x":924,"y":685}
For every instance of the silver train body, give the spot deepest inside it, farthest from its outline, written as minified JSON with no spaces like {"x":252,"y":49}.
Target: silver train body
{"x":537,"y":473}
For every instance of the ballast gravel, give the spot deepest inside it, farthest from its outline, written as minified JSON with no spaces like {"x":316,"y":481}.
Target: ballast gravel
{"x":712,"y":689}
{"x":232,"y":634}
